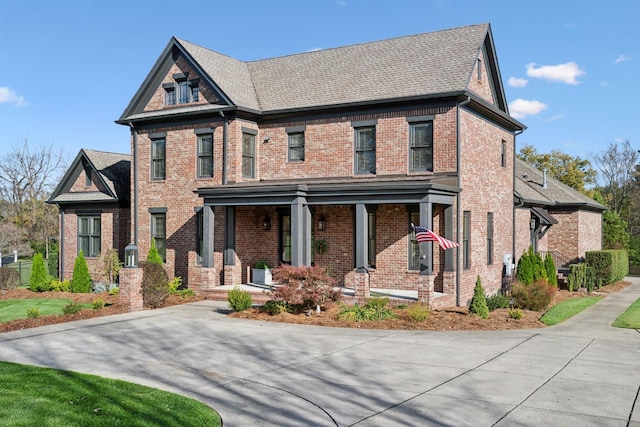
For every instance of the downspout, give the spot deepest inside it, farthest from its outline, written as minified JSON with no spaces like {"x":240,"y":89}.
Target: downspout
{"x":135,"y":184}
{"x":61,"y":256}
{"x":225,"y":148}
{"x":458,"y":183}
{"x":513,"y":231}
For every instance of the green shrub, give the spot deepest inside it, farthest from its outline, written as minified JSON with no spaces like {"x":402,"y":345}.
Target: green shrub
{"x":274,"y":307}
{"x":262,"y":265}
{"x":418,"y":313}
{"x":375,"y":312}
{"x":38,"y":280}
{"x":590,"y":278}
{"x":239,"y":300}
{"x":114,"y":291}
{"x":154,"y":256}
{"x":377,"y":302}
{"x":174,"y":285}
{"x":610,"y":265}
{"x":539,"y":272}
{"x":52,"y":263}
{"x":81,"y":280}
{"x":9,"y":278}
{"x":60,"y":286}
{"x":497,"y":301}
{"x":478,"y":304}
{"x":304,"y":287}
{"x":155,"y":284}
{"x":97,"y":303}
{"x":577,"y":277}
{"x":33,"y":312}
{"x":536,"y":296}
{"x":72,"y":308}
{"x":524,"y":271}
{"x":550,"y":268}
{"x":111,"y":265}
{"x":515,"y":313}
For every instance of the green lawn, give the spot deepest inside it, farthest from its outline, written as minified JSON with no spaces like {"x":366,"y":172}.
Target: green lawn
{"x":561,"y":312}
{"x":32,"y":396}
{"x":17,"y":308}
{"x":630,"y":318}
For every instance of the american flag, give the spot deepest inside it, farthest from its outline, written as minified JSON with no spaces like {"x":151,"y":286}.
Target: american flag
{"x":423,"y":234}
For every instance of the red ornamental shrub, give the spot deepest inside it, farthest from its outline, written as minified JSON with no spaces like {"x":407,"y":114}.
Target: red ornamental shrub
{"x":304,"y":286}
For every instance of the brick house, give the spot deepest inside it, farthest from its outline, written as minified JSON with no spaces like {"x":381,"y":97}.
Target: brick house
{"x":552,"y":217}
{"x":93,"y":198}
{"x":326,"y":158}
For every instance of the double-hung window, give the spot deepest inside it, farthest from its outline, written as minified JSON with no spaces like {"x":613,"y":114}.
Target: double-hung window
{"x":365,"y":147}
{"x":489,"y":238}
{"x":414,"y":246}
{"x":296,"y":143}
{"x":249,"y":153}
{"x":159,"y":230}
{"x":89,"y":235}
{"x":205,"y":152}
{"x":420,"y":144}
{"x":181,"y":90}
{"x":158,"y":156}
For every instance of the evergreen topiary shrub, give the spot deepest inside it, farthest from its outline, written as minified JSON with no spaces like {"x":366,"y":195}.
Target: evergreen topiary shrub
{"x":155,"y":284}
{"x":539,"y":272}
{"x":81,"y":280}
{"x":524,"y":271}
{"x":550,"y":268}
{"x":38,"y":280}
{"x":154,"y":256}
{"x":478,"y":305}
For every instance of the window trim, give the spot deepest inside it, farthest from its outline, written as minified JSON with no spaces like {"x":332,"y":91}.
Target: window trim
{"x":155,"y":139}
{"x":292,"y":148}
{"x":201,"y":136}
{"x":252,"y":134}
{"x":155,"y":213}
{"x":358,"y":130}
{"x":490,"y":238}
{"x":466,"y":240}
{"x":413,"y":148}
{"x":91,"y":235}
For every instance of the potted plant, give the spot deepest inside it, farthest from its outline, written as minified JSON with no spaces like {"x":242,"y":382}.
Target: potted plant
{"x":261,"y":273}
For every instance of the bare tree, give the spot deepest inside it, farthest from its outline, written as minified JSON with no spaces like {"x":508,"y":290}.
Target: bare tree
{"x":27,"y":177}
{"x":617,"y":166}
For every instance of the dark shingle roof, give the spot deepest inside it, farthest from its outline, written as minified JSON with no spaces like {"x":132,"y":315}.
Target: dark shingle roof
{"x":424,"y":64}
{"x":529,"y":187}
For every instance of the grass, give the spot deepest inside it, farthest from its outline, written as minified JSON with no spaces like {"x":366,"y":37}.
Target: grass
{"x":32,"y":396}
{"x":17,"y":308}
{"x":630,"y":319}
{"x":566,"y":309}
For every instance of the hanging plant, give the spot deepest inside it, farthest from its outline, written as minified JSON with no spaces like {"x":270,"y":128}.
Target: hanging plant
{"x":322,"y":246}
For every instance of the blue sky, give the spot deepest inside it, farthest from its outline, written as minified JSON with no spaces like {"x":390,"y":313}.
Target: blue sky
{"x":70,"y":67}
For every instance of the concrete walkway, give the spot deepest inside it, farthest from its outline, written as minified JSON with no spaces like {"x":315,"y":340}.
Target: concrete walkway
{"x":580,"y":373}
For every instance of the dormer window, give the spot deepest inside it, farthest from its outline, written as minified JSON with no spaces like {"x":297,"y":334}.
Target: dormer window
{"x":182,"y":90}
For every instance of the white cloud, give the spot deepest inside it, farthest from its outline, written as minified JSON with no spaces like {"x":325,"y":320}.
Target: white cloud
{"x":563,"y":73}
{"x":622,"y":58}
{"x":9,"y":96}
{"x":521,"y":108}
{"x":605,"y":83}
{"x":556,"y":117}
{"x":516,"y":82}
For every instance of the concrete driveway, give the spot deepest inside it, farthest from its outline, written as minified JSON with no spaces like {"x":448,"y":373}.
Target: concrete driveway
{"x":582,"y":372}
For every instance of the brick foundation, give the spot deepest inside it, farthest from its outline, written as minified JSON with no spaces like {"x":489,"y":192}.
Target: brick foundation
{"x":426,"y":288}
{"x":362,"y":286}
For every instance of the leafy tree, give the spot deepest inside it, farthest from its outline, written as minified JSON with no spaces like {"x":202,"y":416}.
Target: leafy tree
{"x":618,"y":166}
{"x":575,"y":172}
{"x":81,"y":280}
{"x":154,"y":256}
{"x":38,"y":280}
{"x":478,"y":305}
{"x":614,"y":231}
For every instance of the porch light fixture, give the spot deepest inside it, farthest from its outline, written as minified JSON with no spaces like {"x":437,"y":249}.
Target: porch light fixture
{"x":131,"y":256}
{"x":266,"y":223}
{"x":322,"y":223}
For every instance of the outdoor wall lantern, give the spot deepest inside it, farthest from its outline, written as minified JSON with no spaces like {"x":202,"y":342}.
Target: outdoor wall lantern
{"x":266,"y":223}
{"x":131,"y":256}
{"x":322,"y":223}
